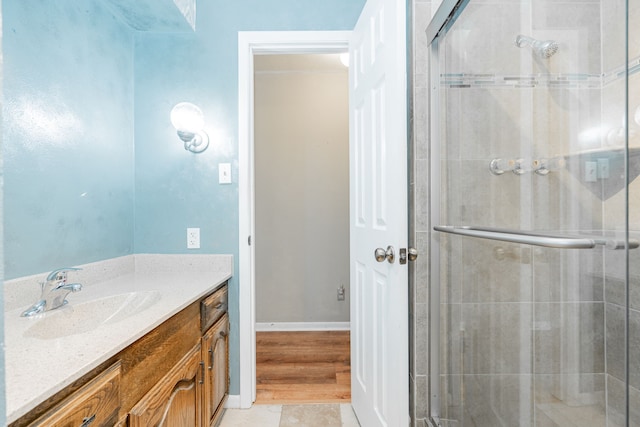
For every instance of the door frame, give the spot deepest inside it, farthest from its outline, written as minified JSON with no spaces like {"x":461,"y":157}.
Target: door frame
{"x":251,"y":43}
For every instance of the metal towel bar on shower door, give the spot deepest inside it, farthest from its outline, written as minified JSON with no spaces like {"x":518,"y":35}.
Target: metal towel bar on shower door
{"x":537,"y":239}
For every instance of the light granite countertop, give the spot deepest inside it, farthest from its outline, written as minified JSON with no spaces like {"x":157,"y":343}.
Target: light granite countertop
{"x":42,"y":359}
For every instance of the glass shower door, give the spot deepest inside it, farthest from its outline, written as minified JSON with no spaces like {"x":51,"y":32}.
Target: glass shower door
{"x":533,"y":303}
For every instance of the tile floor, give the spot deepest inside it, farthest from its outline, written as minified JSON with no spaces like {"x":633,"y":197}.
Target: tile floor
{"x":312,"y":415}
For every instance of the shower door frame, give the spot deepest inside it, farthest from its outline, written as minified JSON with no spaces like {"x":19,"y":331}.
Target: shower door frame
{"x":445,"y":16}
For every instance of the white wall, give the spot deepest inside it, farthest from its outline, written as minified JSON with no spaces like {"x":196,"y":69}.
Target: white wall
{"x":302,"y":188}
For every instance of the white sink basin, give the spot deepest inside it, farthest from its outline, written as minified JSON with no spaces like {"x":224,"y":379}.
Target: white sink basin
{"x":75,"y":319}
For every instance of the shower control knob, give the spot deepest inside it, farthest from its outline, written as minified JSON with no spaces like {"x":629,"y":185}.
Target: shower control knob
{"x":381,"y":254}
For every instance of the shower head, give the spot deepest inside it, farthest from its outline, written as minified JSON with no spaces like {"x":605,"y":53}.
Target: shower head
{"x":543,"y":48}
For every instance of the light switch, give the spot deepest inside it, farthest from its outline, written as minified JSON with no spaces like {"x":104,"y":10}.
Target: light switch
{"x":224,"y":173}
{"x":603,"y":168}
{"x":590,"y":171}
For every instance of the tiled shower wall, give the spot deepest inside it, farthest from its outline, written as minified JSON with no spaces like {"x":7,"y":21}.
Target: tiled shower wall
{"x":574,"y":293}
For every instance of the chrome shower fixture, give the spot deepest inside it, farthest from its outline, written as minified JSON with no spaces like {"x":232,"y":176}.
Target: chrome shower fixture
{"x":500,"y":166}
{"x":543,"y":48}
{"x":521,"y":166}
{"x":544,"y":166}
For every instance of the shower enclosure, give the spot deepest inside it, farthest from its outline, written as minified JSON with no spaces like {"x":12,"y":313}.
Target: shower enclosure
{"x":535,"y":265}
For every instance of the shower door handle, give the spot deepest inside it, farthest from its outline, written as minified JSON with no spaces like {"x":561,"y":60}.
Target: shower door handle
{"x":537,"y":239}
{"x":381,"y":254}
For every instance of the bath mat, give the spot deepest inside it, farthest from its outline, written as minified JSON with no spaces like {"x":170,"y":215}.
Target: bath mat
{"x":310,"y":416}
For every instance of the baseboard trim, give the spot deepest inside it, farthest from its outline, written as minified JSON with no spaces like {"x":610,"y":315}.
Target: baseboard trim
{"x":302,"y":326}
{"x":233,"y":401}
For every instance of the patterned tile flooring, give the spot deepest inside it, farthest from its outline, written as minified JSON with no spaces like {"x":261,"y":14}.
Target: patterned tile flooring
{"x":312,"y":415}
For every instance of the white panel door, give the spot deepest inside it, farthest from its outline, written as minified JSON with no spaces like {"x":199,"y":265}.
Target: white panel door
{"x":378,"y":215}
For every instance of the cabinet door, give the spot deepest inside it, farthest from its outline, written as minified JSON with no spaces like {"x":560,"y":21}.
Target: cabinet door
{"x":215,"y":351}
{"x":175,"y":401}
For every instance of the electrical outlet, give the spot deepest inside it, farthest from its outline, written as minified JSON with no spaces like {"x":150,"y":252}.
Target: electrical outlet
{"x":193,"y":238}
{"x":341,"y":293}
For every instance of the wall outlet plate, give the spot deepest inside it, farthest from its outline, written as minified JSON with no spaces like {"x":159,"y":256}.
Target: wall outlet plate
{"x":193,"y":238}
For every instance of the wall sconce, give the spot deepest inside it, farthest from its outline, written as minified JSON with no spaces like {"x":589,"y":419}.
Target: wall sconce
{"x":189,"y":121}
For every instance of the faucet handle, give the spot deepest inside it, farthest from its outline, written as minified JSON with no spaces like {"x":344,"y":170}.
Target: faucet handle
{"x":60,"y":274}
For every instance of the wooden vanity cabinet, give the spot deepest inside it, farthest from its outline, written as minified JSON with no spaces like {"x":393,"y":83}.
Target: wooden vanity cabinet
{"x":215,"y":353}
{"x":174,"y":376}
{"x":176,"y":400}
{"x":193,"y":392}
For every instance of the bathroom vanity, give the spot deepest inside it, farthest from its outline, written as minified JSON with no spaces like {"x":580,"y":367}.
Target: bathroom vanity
{"x":161,"y":354}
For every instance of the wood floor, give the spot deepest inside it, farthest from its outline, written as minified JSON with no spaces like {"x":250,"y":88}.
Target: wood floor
{"x":303,"y":367}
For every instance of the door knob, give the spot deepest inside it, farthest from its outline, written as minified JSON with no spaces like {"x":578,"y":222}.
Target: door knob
{"x":381,"y":254}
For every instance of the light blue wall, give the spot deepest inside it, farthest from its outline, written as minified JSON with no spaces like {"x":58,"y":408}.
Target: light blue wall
{"x":176,"y":189}
{"x":77,"y":188}
{"x":3,"y":405}
{"x":68,"y":132}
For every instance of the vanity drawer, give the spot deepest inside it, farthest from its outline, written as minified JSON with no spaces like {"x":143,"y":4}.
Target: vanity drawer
{"x":96,"y":404}
{"x":213,"y":308}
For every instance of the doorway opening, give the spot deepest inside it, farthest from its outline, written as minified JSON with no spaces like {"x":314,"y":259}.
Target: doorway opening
{"x":252,"y":45}
{"x":301,"y":186}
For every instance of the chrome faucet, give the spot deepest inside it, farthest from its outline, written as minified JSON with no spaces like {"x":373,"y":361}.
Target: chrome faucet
{"x":54,"y":291}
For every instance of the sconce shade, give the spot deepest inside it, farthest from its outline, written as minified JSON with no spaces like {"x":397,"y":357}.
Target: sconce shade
{"x":188,"y":120}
